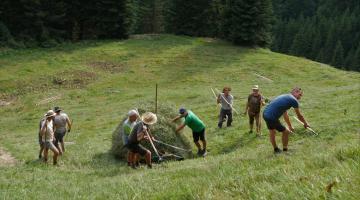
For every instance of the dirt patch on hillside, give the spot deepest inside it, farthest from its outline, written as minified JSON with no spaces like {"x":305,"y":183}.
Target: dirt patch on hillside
{"x":4,"y":103}
{"x":48,"y":100}
{"x":73,"y":79}
{"x":107,"y":66}
{"x":6,"y":159}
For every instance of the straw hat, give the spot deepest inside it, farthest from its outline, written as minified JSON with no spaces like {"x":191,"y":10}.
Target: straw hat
{"x":49,"y":113}
{"x":255,"y":87}
{"x":149,"y":118}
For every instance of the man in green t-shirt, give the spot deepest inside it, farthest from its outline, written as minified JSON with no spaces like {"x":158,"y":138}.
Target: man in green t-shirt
{"x":197,"y":127}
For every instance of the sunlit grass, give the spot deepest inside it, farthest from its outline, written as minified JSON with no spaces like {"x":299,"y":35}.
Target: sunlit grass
{"x":123,"y":73}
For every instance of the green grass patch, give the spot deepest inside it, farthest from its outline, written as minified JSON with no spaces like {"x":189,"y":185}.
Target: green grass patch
{"x":97,"y":82}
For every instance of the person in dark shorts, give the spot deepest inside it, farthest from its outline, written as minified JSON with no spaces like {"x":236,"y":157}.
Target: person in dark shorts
{"x":126,"y":128}
{"x":277,"y":108}
{"x":197,"y":127}
{"x":60,"y":121}
{"x":138,"y":133}
{"x":226,"y":101}
{"x":253,"y":108}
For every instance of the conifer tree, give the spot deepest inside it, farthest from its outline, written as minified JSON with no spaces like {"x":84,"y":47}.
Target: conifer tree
{"x":249,"y":21}
{"x":338,"y":55}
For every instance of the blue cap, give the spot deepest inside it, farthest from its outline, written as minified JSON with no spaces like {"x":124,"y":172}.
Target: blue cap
{"x":182,"y":110}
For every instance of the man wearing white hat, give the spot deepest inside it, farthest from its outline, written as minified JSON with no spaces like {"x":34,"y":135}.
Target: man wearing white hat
{"x":253,"y":108}
{"x":139,"y":133}
{"x":47,"y":134}
{"x":127,"y":126}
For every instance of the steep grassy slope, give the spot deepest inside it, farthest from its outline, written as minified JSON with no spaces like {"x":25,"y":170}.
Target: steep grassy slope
{"x":98,"y":82}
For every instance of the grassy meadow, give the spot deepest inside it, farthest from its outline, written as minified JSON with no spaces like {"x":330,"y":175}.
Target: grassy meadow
{"x":97,"y":82}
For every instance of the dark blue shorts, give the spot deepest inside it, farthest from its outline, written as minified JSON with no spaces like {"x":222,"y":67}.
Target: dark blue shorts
{"x":136,"y":148}
{"x":274,"y":124}
{"x":199,"y":135}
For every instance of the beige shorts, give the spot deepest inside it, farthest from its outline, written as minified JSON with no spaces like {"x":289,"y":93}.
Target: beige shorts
{"x":50,"y":145}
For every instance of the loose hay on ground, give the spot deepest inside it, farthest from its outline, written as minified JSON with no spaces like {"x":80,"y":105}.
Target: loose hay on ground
{"x":6,"y":159}
{"x":163,"y":130}
{"x":107,"y":66}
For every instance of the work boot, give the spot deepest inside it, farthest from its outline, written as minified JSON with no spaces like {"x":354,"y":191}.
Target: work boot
{"x":54,"y":162}
{"x":200,"y":152}
{"x":285,"y":149}
{"x":204,"y":152}
{"x":40,"y":156}
{"x":277,"y":150}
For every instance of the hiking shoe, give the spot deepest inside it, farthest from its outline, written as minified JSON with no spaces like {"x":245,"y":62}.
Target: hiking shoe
{"x":40,"y":156}
{"x":200,"y":152}
{"x":285,"y":149}
{"x":250,"y":131}
{"x":54,"y":162}
{"x":277,"y":150}
{"x":204,"y":153}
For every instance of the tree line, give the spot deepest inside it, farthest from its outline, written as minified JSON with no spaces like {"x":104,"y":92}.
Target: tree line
{"x":47,"y":22}
{"x":327,"y":31}
{"x":321,"y":30}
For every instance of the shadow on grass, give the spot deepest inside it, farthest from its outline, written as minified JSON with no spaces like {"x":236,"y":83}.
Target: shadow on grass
{"x":245,"y":139}
{"x":105,"y":164}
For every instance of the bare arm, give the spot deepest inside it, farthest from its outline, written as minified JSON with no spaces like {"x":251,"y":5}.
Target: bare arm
{"x":180,"y":128}
{"x":43,"y":129}
{"x":246,"y":108}
{"x":176,"y":118}
{"x":69,"y":124}
{"x":262,"y":101}
{"x":301,"y":117}
{"x":287,"y":120}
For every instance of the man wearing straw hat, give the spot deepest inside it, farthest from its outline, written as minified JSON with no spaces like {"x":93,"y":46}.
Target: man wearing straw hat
{"x":140,"y":132}
{"x":277,"y":108}
{"x":226,"y":100}
{"x":60,"y":121}
{"x":47,"y":133}
{"x":253,"y":108}
{"x":197,"y":127}
{"x":127,"y":126}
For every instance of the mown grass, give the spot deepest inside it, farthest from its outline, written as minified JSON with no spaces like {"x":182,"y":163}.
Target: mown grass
{"x":123,"y":73}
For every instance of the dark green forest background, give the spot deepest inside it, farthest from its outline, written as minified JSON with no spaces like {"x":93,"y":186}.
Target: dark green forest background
{"x":327,"y":31}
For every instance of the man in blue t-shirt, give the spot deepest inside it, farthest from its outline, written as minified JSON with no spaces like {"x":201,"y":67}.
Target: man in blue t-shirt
{"x":276,"y":109}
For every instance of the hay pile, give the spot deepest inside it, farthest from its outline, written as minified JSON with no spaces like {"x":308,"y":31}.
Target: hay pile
{"x":163,"y":130}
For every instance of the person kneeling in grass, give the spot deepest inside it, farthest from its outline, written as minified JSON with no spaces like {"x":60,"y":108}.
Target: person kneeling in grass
{"x":127,"y":127}
{"x":141,"y":132}
{"x":197,"y":127}
{"x":276,"y":109}
{"x":47,"y":134}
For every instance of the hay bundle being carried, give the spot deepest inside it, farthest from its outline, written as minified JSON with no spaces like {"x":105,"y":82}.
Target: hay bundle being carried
{"x":163,"y":130}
